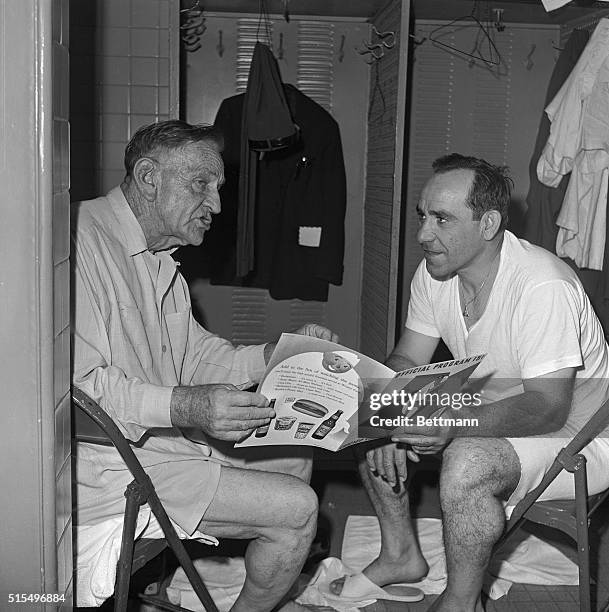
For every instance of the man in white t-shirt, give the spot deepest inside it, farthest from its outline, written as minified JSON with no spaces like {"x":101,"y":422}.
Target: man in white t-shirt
{"x":482,"y":290}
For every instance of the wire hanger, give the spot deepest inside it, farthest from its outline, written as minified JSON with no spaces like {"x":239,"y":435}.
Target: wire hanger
{"x":264,"y":24}
{"x":484,"y":48}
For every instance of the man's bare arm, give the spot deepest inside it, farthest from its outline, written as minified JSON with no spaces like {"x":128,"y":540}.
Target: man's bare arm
{"x":220,"y":410}
{"x":413,"y":349}
{"x":542,"y":408}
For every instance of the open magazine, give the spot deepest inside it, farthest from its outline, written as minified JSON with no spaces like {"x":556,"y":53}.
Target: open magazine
{"x":330,"y":396}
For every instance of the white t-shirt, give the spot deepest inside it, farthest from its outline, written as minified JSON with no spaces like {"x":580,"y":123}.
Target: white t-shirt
{"x":538,"y":319}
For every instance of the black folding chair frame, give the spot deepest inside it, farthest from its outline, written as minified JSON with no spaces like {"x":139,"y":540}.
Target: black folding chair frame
{"x":550,"y":513}
{"x":138,"y":492}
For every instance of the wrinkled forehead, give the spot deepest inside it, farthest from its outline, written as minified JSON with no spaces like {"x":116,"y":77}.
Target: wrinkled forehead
{"x":195,"y":157}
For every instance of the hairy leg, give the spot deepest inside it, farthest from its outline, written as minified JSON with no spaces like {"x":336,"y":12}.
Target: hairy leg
{"x":279,"y":513}
{"x":400,"y":558}
{"x":477,"y":473}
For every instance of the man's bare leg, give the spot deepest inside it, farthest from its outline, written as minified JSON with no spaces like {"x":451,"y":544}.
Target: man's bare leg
{"x":279,"y":513}
{"x":476,"y":474}
{"x":400,"y":558}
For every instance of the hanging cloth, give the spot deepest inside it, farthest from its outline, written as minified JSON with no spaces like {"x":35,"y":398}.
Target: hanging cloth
{"x":543,"y":202}
{"x":266,"y":125}
{"x":300,"y":189}
{"x":579,"y":144}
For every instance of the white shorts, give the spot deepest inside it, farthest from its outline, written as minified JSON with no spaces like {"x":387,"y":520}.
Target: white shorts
{"x":186,"y":487}
{"x":536,"y":455}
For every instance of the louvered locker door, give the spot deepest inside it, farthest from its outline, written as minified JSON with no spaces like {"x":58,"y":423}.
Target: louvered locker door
{"x":386,"y":129}
{"x":459,"y":106}
{"x":307,"y":52}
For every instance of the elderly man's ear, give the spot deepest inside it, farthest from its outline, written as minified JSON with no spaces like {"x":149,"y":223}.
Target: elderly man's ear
{"x":146,"y":175}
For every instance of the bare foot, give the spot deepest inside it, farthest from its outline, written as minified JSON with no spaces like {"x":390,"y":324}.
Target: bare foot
{"x":410,"y":568}
{"x":389,"y":571}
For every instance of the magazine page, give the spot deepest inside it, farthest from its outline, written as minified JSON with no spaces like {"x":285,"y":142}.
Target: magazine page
{"x":416,"y":396}
{"x":315,"y":387}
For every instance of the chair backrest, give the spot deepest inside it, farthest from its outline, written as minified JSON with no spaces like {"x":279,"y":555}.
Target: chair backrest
{"x":85,"y":428}
{"x":595,"y":426}
{"x":98,"y":427}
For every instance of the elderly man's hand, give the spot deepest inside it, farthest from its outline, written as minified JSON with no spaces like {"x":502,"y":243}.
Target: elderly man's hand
{"x":318,"y":331}
{"x":222,"y":411}
{"x":308,"y":329}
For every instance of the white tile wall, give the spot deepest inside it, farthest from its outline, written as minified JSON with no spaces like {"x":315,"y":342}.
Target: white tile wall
{"x":130,"y":59}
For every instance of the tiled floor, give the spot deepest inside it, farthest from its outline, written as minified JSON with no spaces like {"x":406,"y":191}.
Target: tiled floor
{"x":341,"y":495}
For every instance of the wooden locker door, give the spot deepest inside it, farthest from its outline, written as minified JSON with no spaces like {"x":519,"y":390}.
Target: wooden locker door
{"x":386,"y":127}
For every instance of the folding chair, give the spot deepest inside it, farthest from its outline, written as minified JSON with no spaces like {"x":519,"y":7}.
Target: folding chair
{"x":572,"y":516}
{"x":92,"y":424}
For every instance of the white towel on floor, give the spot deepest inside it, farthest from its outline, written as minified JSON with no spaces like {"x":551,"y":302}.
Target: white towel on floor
{"x":528,"y":559}
{"x":531,"y":561}
{"x":223,"y":577}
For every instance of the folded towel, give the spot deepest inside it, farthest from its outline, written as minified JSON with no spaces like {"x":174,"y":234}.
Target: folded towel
{"x":529,"y":560}
{"x":98,"y":548}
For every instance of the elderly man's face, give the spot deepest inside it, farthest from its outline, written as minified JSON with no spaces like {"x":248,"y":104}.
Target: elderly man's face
{"x":189,"y":192}
{"x":451,"y":238}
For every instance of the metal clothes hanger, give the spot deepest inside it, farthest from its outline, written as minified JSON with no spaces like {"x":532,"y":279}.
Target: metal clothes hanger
{"x":484,"y":48}
{"x":264,"y":24}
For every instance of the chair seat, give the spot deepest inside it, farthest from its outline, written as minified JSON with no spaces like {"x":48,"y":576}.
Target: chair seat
{"x":559,"y":513}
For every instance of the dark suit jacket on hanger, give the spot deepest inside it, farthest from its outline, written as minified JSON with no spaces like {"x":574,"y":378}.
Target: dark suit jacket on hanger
{"x":301,"y":186}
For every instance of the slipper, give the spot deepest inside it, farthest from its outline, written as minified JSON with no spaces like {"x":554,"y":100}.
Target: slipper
{"x":359,"y":587}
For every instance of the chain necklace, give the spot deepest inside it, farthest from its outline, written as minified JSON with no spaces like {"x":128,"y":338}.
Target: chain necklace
{"x":467,"y":303}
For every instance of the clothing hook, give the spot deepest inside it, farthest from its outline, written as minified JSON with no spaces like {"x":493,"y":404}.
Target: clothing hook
{"x":220,"y":45}
{"x":388,"y":44}
{"x":528,"y":62}
{"x":376,"y":51}
{"x":499,"y":25}
{"x":341,"y":49}
{"x":371,"y":46}
{"x":417,"y":41}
